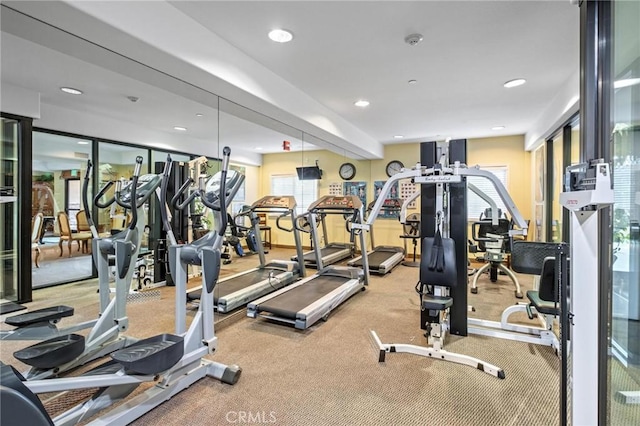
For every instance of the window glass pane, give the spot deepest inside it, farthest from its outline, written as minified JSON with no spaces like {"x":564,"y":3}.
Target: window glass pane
{"x":305,"y":191}
{"x":117,"y":162}
{"x":624,"y":367}
{"x":9,"y":193}
{"x":59,"y":166}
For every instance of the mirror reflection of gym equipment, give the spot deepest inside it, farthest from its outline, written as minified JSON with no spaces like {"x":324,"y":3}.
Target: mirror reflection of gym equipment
{"x":329,"y":252}
{"x":382,"y":259}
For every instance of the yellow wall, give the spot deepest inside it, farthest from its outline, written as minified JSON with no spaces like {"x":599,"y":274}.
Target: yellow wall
{"x":506,"y":151}
{"x":500,"y":151}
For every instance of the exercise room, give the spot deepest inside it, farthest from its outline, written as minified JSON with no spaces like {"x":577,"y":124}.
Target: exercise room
{"x":320,"y":213}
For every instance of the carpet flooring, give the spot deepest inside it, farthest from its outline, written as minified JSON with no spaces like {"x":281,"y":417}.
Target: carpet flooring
{"x":329,"y":374}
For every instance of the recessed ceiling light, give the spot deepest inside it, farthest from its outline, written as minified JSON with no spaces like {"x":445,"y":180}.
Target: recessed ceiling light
{"x":258,"y":148}
{"x":619,"y":84}
{"x":71,"y":90}
{"x":361,"y":103}
{"x":497,"y":128}
{"x":515,"y":83}
{"x":199,"y":115}
{"x":412,"y":81}
{"x":399,"y":136}
{"x":182,"y":129}
{"x":280,"y":36}
{"x":83,"y":143}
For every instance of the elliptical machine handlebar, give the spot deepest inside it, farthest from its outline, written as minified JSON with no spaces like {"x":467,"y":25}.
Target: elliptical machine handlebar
{"x":175,"y":201}
{"x":96,"y":199}
{"x":85,"y":200}
{"x":200,"y":192}
{"x":132,"y":204}
{"x":166,"y":223}
{"x":226,"y":153}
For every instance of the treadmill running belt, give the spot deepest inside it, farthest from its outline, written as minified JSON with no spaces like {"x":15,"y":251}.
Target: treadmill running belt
{"x":376,"y":259}
{"x":289,"y":303}
{"x":231,"y":286}
{"x":325,"y":251}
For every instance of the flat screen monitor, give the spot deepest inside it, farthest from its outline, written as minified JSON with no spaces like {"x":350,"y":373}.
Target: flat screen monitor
{"x":309,"y":173}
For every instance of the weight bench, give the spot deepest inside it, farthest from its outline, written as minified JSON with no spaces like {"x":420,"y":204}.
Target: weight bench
{"x":529,"y":258}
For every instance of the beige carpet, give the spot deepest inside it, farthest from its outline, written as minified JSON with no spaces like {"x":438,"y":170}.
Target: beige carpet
{"x":329,"y":374}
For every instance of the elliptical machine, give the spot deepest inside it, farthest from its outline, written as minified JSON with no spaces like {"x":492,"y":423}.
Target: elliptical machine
{"x":174,"y":361}
{"x":204,"y":251}
{"x":63,"y":350}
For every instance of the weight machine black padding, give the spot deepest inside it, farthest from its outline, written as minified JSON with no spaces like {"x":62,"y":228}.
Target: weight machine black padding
{"x":439,"y":272}
{"x":457,"y":226}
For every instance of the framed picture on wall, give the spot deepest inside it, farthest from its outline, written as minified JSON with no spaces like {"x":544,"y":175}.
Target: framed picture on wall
{"x":393,"y":193}
{"x":539,"y":236}
{"x":358,"y":189}
{"x":538,"y":189}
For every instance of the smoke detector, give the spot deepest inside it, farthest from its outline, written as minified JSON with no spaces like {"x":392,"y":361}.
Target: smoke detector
{"x":413,"y":39}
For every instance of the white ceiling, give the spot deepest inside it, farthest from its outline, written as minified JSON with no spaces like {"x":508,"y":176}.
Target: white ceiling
{"x":345,"y":51}
{"x":342,"y":51}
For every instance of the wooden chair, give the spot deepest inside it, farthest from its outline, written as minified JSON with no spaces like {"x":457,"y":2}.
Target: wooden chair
{"x":67,"y":235}
{"x":81,"y":221}
{"x":264,"y":227}
{"x":36,"y":232}
{"x":82,"y":224}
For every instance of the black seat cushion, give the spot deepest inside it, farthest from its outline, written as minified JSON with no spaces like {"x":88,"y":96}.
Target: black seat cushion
{"x":436,"y":303}
{"x":548,"y":307}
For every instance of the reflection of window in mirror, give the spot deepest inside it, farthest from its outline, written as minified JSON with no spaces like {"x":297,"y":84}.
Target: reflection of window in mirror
{"x":304,"y":191}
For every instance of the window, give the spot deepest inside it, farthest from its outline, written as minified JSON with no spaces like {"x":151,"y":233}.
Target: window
{"x":305,"y":191}
{"x":475,"y":204}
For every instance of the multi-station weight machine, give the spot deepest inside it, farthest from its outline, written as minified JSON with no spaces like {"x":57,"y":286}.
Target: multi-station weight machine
{"x":441,"y":174}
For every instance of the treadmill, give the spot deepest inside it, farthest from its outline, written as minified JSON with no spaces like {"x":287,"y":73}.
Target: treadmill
{"x":331,"y":252}
{"x":383,"y":258}
{"x":239,"y":289}
{"x":302,"y":304}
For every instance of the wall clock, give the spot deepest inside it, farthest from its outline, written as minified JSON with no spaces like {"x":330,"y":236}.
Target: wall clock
{"x":347,"y":171}
{"x":394,"y":167}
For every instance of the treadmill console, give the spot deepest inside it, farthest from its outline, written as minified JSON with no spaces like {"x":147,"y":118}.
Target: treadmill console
{"x":337,"y":202}
{"x":287,"y":202}
{"x":392,"y":204}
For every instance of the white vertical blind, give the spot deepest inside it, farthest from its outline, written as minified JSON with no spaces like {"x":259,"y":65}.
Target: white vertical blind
{"x":475,"y":204}
{"x":304,"y":191}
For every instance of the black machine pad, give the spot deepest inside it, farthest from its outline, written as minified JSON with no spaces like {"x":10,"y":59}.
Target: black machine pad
{"x":40,"y":315}
{"x":447,"y":277}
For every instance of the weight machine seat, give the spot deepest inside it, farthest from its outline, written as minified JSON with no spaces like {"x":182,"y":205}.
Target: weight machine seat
{"x":546,"y":307}
{"x":546,"y":299}
{"x":436,"y":303}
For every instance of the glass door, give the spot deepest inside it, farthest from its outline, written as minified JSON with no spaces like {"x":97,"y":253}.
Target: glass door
{"x":624,"y":331}
{"x":9,"y":211}
{"x":63,"y":244}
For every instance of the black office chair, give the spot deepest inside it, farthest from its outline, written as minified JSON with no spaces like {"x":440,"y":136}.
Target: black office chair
{"x":411,"y":229}
{"x":495,"y":242}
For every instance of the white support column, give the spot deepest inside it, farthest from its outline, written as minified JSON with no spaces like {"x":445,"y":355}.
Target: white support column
{"x":584,"y":306}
